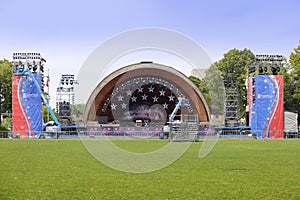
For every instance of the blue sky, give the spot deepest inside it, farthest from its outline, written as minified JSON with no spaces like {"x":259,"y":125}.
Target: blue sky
{"x":66,"y":32}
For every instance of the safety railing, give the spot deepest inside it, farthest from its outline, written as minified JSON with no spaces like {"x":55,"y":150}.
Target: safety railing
{"x":149,"y":134}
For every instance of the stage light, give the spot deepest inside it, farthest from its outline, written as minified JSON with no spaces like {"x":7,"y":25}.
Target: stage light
{"x":34,"y":68}
{"x":275,"y":69}
{"x":278,"y":69}
{"x":253,"y":90}
{"x":41,"y":68}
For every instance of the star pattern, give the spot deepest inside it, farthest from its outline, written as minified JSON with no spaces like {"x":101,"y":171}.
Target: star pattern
{"x":133,"y":99}
{"x":140,"y":89}
{"x":144,"y":97}
{"x":113,"y":106}
{"x":171,"y":98}
{"x":123,"y":105}
{"x":151,"y":89}
{"x":162,"y":92}
{"x":165,"y":105}
{"x":155,"y":99}
{"x":120,"y":98}
{"x":128,"y":92}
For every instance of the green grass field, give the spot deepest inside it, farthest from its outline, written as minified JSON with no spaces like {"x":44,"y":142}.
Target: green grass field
{"x":235,"y":169}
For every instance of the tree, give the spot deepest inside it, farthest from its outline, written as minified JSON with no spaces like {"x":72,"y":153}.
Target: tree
{"x":47,"y":116}
{"x":79,"y":109}
{"x":295,"y":77}
{"x":215,"y":85}
{"x":235,"y":63}
{"x":6,"y":81}
{"x":202,"y":86}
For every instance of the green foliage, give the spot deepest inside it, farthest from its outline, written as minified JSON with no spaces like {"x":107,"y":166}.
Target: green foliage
{"x":6,"y":81}
{"x":202,"y":86}
{"x":79,"y":109}
{"x":235,"y":63}
{"x":63,"y":169}
{"x":295,"y":79}
{"x":4,"y":127}
{"x":47,"y":115}
{"x":215,"y":85}
{"x":290,"y":102}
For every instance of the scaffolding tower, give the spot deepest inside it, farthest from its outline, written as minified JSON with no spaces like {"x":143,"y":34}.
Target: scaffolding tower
{"x":231,"y":103}
{"x":65,"y":99}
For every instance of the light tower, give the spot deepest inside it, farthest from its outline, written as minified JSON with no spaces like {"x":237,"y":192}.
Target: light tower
{"x":231,"y":104}
{"x":65,"y":99}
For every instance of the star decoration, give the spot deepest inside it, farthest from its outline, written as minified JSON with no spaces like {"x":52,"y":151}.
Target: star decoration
{"x":155,"y":99}
{"x":165,"y":105}
{"x":123,"y":105}
{"x":144,"y":97}
{"x":113,"y":106}
{"x":151,"y":89}
{"x":140,"y":89}
{"x":133,"y":99}
{"x":171,"y":98}
{"x":162,"y":92}
{"x":128,"y":92}
{"x":120,"y":98}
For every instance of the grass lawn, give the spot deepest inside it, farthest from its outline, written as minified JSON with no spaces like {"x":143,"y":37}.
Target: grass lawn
{"x":235,"y":169}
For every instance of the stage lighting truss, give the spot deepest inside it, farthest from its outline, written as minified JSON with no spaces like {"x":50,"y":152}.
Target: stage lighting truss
{"x":65,"y":97}
{"x":265,"y":64}
{"x":231,"y":103}
{"x":32,"y":61}
{"x":68,"y":80}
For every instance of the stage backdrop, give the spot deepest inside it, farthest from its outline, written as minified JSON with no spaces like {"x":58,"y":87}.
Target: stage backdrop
{"x":27,"y":106}
{"x":265,"y":94}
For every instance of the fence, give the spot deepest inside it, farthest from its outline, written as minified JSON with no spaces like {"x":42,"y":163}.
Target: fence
{"x":203,"y":132}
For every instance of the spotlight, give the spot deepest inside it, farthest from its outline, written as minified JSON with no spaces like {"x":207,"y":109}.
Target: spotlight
{"x":34,"y":68}
{"x":41,"y":68}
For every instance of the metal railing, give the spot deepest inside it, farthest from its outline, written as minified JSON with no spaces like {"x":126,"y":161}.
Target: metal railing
{"x":146,"y":134}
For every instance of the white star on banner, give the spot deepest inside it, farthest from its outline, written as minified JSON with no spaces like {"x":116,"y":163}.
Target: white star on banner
{"x":113,"y":106}
{"x":162,"y":92}
{"x":140,"y":89}
{"x":144,"y":97}
{"x":128,"y":92}
{"x":151,"y":89}
{"x":165,"y":105}
{"x":155,"y":99}
{"x":120,"y":98}
{"x":133,"y":99}
{"x":171,"y":98}
{"x":123,"y":105}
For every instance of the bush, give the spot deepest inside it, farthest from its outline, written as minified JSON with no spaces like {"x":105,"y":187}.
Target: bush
{"x":3,"y":132}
